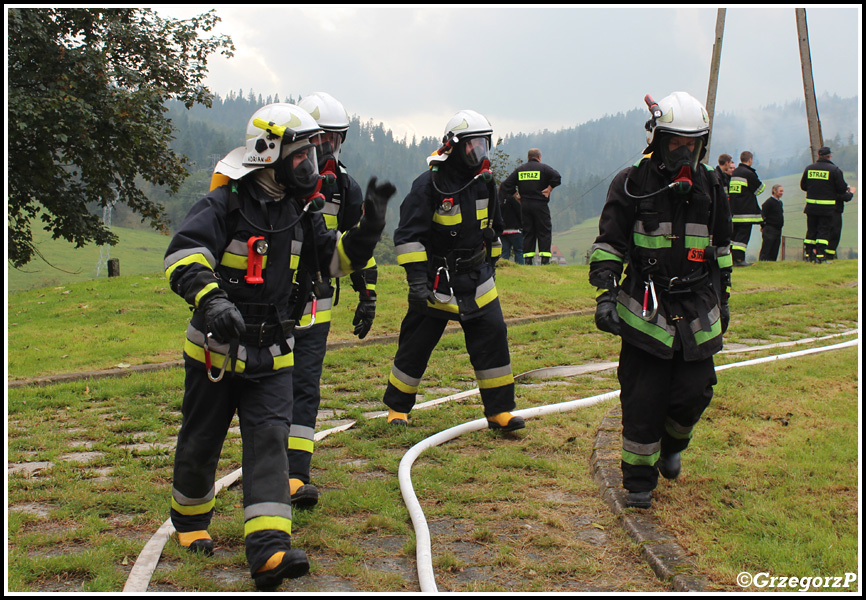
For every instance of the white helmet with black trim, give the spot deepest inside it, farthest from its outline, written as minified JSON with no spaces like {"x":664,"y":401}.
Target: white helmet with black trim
{"x":472,"y":134}
{"x":679,"y":114}
{"x":332,"y":117}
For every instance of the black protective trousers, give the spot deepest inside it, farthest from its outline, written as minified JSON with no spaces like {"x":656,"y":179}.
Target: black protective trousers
{"x":662,"y":400}
{"x":264,"y":408}
{"x":486,"y":342}
{"x":310,"y":348}
{"x":537,"y":230}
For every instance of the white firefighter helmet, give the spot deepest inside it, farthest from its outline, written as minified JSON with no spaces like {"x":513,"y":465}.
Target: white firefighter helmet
{"x":328,"y":112}
{"x":681,"y":114}
{"x":273,"y":130}
{"x":466,"y":125}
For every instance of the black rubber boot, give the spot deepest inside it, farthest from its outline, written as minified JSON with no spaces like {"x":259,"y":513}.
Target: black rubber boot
{"x":505,"y":422}
{"x":639,"y":499}
{"x":669,"y":465}
{"x":306,"y":496}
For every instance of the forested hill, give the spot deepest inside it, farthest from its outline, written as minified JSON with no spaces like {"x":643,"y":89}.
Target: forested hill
{"x":587,"y":155}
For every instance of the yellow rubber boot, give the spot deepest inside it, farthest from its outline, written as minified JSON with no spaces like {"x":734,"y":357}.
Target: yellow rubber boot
{"x":281,"y":565}
{"x":196,"y":541}
{"x":505,"y":422}
{"x":398,"y":418}
{"x":304,"y":495}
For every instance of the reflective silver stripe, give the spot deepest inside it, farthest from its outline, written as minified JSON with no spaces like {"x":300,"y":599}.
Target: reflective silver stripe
{"x":181,"y":254}
{"x":677,"y":430}
{"x":485,"y":287}
{"x":697,"y":229}
{"x":410,"y":247}
{"x":303,"y":432}
{"x":642,"y":449}
{"x":187,"y":501}
{"x":197,"y":338}
{"x":268,"y":509}
{"x":481,"y":203}
{"x":493,"y":373}
{"x":741,"y":180}
{"x":238,"y":247}
{"x":663,"y":228}
{"x":403,"y":378}
{"x":296,"y":247}
{"x":605,"y":248}
{"x":330,"y":208}
{"x":634,"y":307}
{"x":321,"y":304}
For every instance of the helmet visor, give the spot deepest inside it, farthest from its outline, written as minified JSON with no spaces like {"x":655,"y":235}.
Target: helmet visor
{"x":328,"y":144}
{"x":475,"y":150}
{"x":300,"y":162}
{"x":680,"y":151}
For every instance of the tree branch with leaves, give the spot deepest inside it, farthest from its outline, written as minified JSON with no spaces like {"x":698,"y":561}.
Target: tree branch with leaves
{"x":86,"y":115}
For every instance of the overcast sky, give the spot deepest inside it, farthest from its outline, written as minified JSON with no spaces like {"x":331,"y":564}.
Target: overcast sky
{"x":525,"y":68}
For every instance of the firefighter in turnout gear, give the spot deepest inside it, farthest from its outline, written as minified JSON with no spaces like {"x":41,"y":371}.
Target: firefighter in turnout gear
{"x":826,"y":193}
{"x":667,"y":223}
{"x":342,"y":210}
{"x":233,"y":260}
{"x":447,"y":241}
{"x":744,"y":188}
{"x":534,"y":181}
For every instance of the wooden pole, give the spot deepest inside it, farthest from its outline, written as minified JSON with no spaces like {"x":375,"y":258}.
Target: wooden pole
{"x":816,"y":138}
{"x":714,"y":73}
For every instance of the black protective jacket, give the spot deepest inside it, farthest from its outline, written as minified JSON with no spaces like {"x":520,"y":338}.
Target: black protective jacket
{"x":209,"y":254}
{"x":743,"y":191}
{"x":679,"y":242}
{"x":773,"y":213}
{"x":530,"y":179}
{"x":450,"y":237}
{"x":825,"y":187}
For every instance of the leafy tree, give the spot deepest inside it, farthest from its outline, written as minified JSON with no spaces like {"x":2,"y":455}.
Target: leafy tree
{"x":86,"y":97}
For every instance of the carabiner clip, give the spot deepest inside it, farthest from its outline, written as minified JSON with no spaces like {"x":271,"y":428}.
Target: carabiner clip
{"x":649,"y":290}
{"x":436,"y":286}
{"x":312,"y":317}
{"x":207,"y":362}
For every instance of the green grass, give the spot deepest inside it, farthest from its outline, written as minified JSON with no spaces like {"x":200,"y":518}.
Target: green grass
{"x":755,"y":493}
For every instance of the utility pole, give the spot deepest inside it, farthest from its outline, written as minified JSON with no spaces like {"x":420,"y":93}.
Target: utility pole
{"x":714,"y":73}
{"x":816,"y":138}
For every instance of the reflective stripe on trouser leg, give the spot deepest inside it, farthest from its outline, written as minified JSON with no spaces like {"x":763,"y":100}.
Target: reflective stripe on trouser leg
{"x":419,"y":335}
{"x":264,"y":410}
{"x":310,"y":348}
{"x":487,"y":344}
{"x":207,"y":411}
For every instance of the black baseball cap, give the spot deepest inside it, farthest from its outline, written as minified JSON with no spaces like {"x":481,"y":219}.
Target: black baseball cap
{"x":824,"y":151}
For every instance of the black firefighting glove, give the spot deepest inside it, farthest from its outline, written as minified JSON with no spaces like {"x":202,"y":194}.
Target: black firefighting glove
{"x":364,"y":315}
{"x":420,"y":291}
{"x":222,"y":317}
{"x":606,"y":317}
{"x":375,"y":204}
{"x":725,"y":313}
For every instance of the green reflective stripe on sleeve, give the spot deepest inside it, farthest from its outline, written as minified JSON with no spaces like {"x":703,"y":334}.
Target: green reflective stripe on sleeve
{"x":187,"y":260}
{"x":265,"y":523}
{"x":195,"y":509}
{"x":693,"y":241}
{"x":760,"y":189}
{"x":411,"y":257}
{"x":209,"y":287}
{"x":301,"y":444}
{"x":600,"y":255}
{"x":726,"y":260}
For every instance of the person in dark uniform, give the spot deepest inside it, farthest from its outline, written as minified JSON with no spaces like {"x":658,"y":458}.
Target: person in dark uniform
{"x":773,"y":215}
{"x":725,"y":170}
{"x":667,"y":224}
{"x":744,"y":188}
{"x":825,"y":187}
{"x":512,"y":235}
{"x":447,"y":241}
{"x":534,"y":181}
{"x":233,"y":259}
{"x":341,"y":211}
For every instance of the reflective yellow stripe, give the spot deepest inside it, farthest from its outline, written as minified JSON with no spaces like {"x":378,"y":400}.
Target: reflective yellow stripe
{"x":448,"y":219}
{"x":197,"y":353}
{"x":265,"y":523}
{"x":198,"y":257}
{"x":411,"y":257}
{"x":487,"y":297}
{"x":495,"y":382}
{"x":195,"y":509}
{"x":330,"y":221}
{"x":403,"y":387}
{"x":236,"y":261}
{"x":322,"y":316}
{"x":204,"y":291}
{"x":301,"y":444}
{"x":284,"y":360}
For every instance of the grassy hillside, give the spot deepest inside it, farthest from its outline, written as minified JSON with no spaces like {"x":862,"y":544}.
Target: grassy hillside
{"x":578,"y":240}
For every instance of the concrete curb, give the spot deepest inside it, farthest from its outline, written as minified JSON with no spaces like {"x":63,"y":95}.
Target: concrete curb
{"x":666,"y":557}
{"x":381,"y":339}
